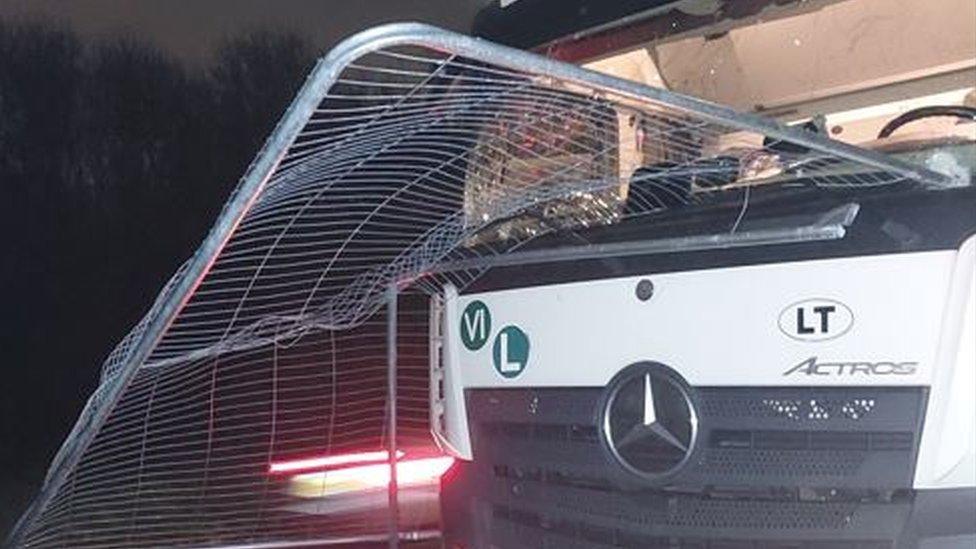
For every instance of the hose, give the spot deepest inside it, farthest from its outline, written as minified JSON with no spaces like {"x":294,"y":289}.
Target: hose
{"x":968,"y":113}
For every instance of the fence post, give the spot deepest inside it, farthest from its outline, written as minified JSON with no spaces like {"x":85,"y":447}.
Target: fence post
{"x":391,"y":394}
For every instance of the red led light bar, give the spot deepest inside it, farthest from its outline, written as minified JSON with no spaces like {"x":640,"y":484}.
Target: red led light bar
{"x":409,"y":473}
{"x":325,"y":462}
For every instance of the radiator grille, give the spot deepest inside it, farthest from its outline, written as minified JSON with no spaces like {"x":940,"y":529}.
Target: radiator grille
{"x":543,"y":477}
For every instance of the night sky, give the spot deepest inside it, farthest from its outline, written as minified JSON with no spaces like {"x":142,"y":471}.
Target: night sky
{"x":90,"y":236}
{"x":192,"y":28}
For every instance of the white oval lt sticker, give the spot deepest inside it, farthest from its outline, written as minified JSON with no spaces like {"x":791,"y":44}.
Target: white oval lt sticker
{"x":816,"y":319}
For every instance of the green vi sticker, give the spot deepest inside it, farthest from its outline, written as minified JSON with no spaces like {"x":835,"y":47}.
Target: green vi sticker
{"x":510,"y":351}
{"x":475,"y":325}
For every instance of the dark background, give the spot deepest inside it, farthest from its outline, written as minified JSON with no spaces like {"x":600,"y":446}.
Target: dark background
{"x":124,"y":124}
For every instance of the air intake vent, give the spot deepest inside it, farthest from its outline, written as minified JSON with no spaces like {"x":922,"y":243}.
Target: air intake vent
{"x":859,"y":405}
{"x":585,"y":434}
{"x":515,"y":527}
{"x":810,"y":440}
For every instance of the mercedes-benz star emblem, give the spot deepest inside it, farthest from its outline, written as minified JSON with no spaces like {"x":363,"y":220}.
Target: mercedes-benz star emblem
{"x":649,"y":421}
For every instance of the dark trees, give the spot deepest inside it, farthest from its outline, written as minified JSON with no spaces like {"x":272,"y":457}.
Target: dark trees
{"x":114,"y":160}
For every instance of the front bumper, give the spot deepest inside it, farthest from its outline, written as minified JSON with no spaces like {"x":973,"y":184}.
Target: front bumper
{"x":526,"y":513}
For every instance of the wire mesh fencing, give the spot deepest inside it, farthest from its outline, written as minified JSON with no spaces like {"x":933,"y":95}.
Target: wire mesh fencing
{"x":187,"y":456}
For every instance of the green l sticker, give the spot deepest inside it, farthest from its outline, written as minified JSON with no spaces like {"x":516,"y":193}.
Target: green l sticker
{"x":510,"y":351}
